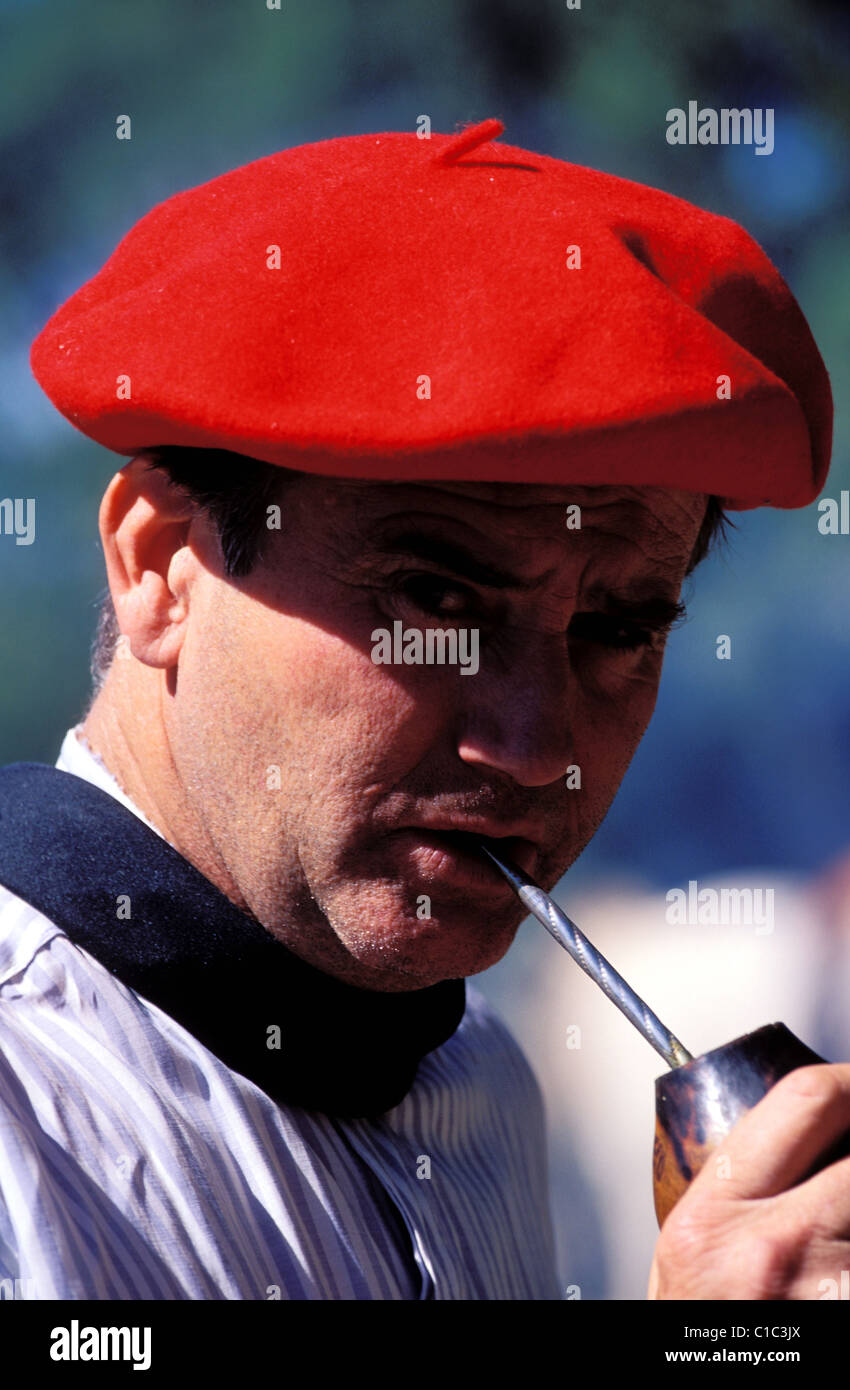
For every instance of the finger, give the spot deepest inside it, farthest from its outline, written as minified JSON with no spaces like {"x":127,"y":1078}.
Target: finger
{"x":777,"y":1143}
{"x":821,"y":1204}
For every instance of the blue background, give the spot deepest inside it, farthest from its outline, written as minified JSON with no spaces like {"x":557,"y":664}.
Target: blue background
{"x":747,"y":762}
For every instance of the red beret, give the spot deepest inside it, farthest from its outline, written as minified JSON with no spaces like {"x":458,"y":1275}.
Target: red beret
{"x":386,"y":306}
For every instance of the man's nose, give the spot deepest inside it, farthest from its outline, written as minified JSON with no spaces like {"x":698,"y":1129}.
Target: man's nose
{"x":515,"y":714}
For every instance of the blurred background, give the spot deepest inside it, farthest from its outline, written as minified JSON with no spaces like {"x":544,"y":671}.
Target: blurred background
{"x":743,"y":776}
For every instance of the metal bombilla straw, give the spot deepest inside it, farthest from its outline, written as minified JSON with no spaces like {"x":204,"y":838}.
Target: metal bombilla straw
{"x":567,"y":934}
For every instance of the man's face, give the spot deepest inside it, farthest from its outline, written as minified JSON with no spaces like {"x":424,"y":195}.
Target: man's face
{"x":328,"y":783}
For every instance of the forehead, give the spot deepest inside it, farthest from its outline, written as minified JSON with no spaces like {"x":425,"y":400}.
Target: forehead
{"x":666,"y":517}
{"x":508,"y":535}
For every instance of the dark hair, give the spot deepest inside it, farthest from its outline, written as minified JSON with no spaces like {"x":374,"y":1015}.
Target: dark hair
{"x":236,"y":491}
{"x":713,"y":529}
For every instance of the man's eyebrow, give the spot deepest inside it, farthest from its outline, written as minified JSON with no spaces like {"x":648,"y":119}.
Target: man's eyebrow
{"x":641,"y":604}
{"x":448,"y":555}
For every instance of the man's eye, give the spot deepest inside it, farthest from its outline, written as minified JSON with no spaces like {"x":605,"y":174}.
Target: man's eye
{"x":618,"y":633}
{"x":436,"y":596}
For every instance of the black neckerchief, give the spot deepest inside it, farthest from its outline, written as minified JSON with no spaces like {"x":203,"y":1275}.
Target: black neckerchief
{"x":72,"y":851}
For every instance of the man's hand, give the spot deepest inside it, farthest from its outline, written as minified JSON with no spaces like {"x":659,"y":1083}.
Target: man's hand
{"x":739,"y":1232}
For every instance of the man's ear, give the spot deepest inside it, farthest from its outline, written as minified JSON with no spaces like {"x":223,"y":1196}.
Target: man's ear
{"x":144,"y":527}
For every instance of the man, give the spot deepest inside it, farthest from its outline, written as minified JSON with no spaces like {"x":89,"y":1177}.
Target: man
{"x":376,"y":392}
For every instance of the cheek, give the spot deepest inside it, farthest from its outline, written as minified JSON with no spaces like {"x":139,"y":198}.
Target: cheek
{"x":612,"y":708}
{"x":359,"y":726}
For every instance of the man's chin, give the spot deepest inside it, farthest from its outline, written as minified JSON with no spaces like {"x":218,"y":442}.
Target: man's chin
{"x":415,"y":954}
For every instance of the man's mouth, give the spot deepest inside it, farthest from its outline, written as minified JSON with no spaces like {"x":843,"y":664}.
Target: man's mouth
{"x":455,"y":856}
{"x":513,"y":848}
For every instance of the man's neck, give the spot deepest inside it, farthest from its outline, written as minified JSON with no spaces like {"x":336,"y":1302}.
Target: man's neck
{"x":134,"y":748}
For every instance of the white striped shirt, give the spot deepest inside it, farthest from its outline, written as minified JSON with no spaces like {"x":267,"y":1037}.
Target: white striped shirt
{"x":135,"y":1165}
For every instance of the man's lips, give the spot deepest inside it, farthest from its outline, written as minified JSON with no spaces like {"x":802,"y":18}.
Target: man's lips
{"x":452,"y":854}
{"x":517,"y":848}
